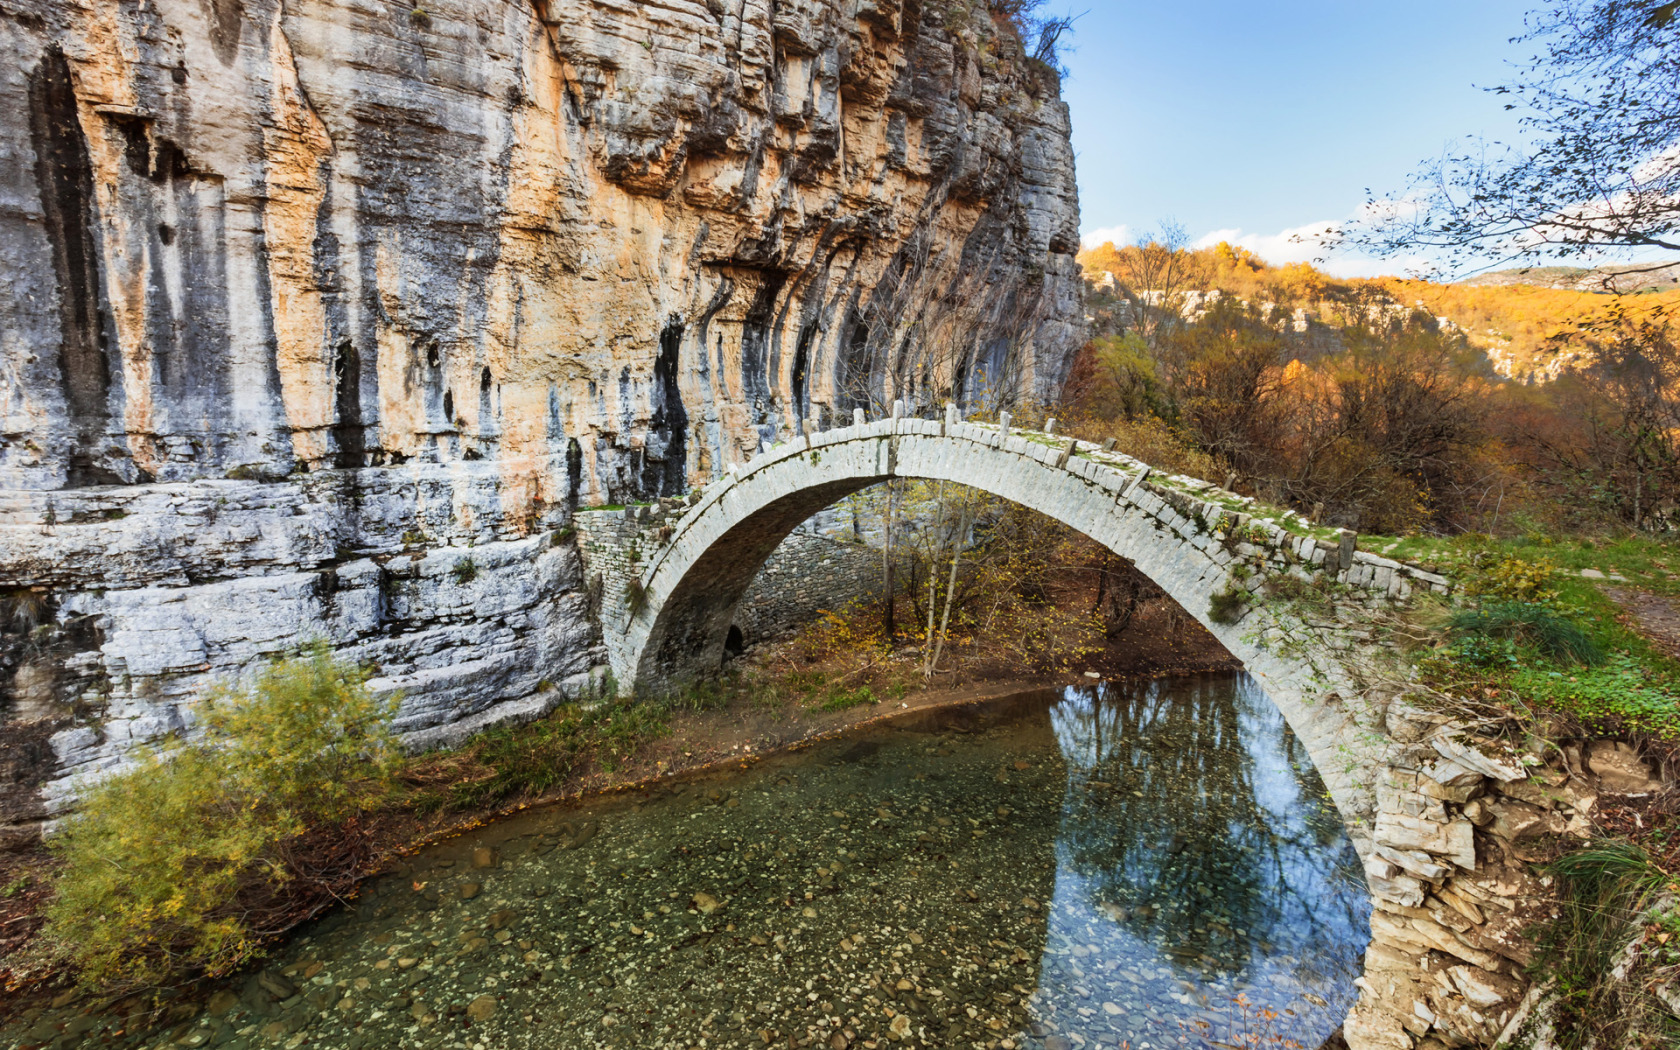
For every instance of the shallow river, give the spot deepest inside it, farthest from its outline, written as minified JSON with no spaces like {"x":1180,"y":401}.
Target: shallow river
{"x":1138,"y":867}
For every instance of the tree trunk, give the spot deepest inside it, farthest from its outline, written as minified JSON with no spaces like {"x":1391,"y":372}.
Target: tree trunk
{"x":888,"y":626}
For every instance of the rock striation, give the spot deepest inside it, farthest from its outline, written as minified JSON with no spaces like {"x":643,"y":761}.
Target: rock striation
{"x":321,"y":317}
{"x":609,"y":245}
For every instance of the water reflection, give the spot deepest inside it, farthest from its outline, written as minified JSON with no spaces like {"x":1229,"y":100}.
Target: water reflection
{"x":884,"y":890}
{"x":1198,"y":860}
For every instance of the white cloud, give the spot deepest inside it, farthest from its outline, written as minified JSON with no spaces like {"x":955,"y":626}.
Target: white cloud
{"x":1314,"y":242}
{"x":1118,"y":234}
{"x":1297,"y":244}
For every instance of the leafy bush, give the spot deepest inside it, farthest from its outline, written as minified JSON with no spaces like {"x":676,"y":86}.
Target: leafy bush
{"x":1513,"y":579}
{"x":1547,"y":630}
{"x":155,"y":858}
{"x":465,"y":571}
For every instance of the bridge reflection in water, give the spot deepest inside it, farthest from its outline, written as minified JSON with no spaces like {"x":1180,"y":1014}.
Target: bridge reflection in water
{"x":1203,"y":878}
{"x":1108,"y":867}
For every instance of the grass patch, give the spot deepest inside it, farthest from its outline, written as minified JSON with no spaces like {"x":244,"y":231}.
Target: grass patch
{"x":846,"y":699}
{"x":1537,"y":634}
{"x":1551,"y":632}
{"x":536,"y":757}
{"x":1606,"y":894}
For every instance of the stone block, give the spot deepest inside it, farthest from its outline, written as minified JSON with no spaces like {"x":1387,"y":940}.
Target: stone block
{"x":1455,"y":841}
{"x":1484,"y":988}
{"x":1460,"y":793}
{"x":1415,"y":862}
{"x":1513,"y":821}
{"x":1485,"y":757}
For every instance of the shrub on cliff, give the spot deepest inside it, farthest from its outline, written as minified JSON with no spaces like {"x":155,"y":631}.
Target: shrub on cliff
{"x":160,"y":857}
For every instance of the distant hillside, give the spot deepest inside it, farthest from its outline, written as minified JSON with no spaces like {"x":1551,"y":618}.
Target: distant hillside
{"x":1574,"y":278}
{"x":1526,"y":320}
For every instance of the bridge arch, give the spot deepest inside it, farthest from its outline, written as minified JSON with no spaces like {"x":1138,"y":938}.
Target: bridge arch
{"x":668,"y":619}
{"x":1399,"y":777}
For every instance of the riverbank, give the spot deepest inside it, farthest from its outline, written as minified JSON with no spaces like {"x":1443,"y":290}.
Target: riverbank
{"x":765,"y":704}
{"x":967,"y":867}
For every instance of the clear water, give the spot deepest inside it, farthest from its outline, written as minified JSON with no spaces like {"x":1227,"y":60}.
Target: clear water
{"x":1152,"y":866}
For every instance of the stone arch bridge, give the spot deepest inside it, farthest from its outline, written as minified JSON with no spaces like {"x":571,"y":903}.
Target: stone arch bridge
{"x":671,"y":578}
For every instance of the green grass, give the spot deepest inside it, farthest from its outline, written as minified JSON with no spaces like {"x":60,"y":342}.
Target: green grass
{"x":816,"y":689}
{"x":1605,"y":896}
{"x":846,"y":699}
{"x":536,"y":757}
{"x":1553,"y":633}
{"x":1648,"y":564}
{"x":1552,"y":640}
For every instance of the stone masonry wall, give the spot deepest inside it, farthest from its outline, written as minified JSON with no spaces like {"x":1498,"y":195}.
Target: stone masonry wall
{"x":811,"y":572}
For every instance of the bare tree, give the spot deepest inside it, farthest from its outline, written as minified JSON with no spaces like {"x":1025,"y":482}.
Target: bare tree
{"x":1156,"y":271}
{"x":1601,"y":165}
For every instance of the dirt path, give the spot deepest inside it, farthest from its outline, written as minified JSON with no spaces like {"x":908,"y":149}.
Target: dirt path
{"x":1654,"y":616}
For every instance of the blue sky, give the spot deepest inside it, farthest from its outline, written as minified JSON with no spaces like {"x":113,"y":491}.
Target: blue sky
{"x":1249,"y":121}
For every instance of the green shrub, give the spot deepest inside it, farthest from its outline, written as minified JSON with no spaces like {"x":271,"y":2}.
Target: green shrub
{"x":156,"y":856}
{"x":465,"y":571}
{"x":1549,"y":631}
{"x":1227,"y":606}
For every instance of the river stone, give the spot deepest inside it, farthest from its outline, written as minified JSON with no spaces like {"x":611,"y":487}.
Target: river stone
{"x":222,"y":1003}
{"x":481,"y":1009}
{"x":276,"y":984}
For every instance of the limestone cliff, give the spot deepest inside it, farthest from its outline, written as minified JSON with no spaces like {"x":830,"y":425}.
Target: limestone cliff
{"x":272,"y":236}
{"x":304,"y":298}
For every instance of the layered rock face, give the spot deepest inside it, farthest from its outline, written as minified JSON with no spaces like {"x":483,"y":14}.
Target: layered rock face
{"x":246,"y":234}
{"x":303,"y":298}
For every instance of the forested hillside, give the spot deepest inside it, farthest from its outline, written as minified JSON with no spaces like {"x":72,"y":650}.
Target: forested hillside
{"x":1390,"y":405}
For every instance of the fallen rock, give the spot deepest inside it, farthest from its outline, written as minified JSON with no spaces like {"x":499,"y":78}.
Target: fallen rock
{"x":1620,"y":769}
{"x":481,"y":1009}
{"x":1513,"y":821}
{"x":1473,"y":754}
{"x":1484,"y":989}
